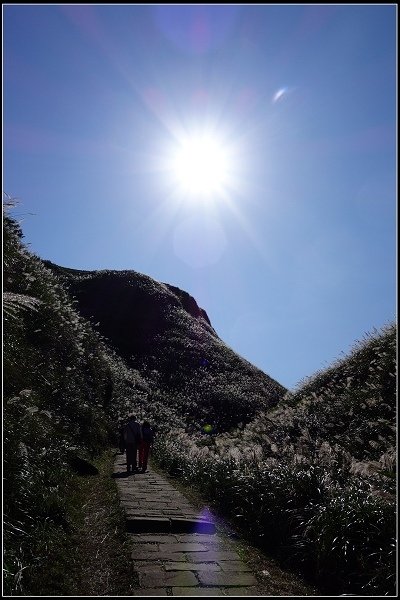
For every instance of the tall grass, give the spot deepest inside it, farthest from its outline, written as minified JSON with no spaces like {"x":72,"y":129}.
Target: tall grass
{"x":63,"y":392}
{"x":313,"y":480}
{"x":332,"y":525}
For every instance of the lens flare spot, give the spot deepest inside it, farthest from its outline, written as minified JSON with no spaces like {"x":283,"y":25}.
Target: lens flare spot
{"x":279,"y":94}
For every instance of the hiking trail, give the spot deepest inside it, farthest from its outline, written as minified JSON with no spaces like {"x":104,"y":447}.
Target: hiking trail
{"x":177,"y":550}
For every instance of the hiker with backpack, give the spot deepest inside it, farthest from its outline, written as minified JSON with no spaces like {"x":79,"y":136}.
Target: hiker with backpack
{"x":132,"y":436}
{"x":145,"y":445}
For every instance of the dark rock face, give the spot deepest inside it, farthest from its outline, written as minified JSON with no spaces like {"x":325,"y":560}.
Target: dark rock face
{"x":189,"y":304}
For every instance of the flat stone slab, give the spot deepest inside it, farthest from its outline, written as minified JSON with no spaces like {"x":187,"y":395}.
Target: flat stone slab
{"x":189,"y":566}
{"x":144,"y":512}
{"x":214,"y":556}
{"x":155,"y":580}
{"x":203,"y":538}
{"x":226,"y":579}
{"x":146,"y":538}
{"x":165,"y":556}
{"x":184,"y":547}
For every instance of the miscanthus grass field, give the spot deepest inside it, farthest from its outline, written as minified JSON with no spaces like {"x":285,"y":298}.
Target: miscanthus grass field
{"x":313,"y":480}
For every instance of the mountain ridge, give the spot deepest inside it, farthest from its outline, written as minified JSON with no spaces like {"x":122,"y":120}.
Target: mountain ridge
{"x":187,"y":300}
{"x":161,"y":328}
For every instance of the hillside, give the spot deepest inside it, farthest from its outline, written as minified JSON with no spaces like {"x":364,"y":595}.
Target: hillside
{"x":314,"y":478}
{"x":160,"y":330}
{"x":351,"y":405}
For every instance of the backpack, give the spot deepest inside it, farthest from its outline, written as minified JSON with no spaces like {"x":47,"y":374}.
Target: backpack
{"x":148,"y":435}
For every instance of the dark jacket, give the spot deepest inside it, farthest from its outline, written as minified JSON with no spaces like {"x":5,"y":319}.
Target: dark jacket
{"x":132,"y":432}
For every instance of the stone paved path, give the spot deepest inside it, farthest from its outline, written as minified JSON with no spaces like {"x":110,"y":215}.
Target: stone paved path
{"x":176,"y":550}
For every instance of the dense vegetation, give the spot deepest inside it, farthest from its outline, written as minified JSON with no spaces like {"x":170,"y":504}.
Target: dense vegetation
{"x":63,"y":392}
{"x":314,"y":479}
{"x":310,"y":474}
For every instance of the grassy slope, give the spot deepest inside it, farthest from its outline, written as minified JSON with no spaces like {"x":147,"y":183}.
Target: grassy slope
{"x":350,"y":406}
{"x":91,"y":558}
{"x":313,"y":479}
{"x":63,"y":390}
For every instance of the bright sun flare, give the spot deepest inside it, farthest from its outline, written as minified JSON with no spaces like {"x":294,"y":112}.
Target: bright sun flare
{"x":200,"y":165}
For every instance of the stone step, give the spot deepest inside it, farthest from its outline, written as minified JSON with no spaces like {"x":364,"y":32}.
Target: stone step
{"x":156,"y":524}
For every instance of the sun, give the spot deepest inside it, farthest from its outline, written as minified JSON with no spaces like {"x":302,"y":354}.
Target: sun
{"x":200,"y":165}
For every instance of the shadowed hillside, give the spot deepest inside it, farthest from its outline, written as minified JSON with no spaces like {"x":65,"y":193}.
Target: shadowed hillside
{"x":159,"y":329}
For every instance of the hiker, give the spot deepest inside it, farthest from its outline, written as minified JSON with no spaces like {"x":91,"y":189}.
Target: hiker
{"x":132,"y":437}
{"x":145,"y":445}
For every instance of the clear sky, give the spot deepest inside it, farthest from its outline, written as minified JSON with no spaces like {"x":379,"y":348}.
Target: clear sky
{"x":284,"y":118}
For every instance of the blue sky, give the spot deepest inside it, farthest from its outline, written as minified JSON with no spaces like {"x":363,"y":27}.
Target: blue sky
{"x":293,"y":253}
